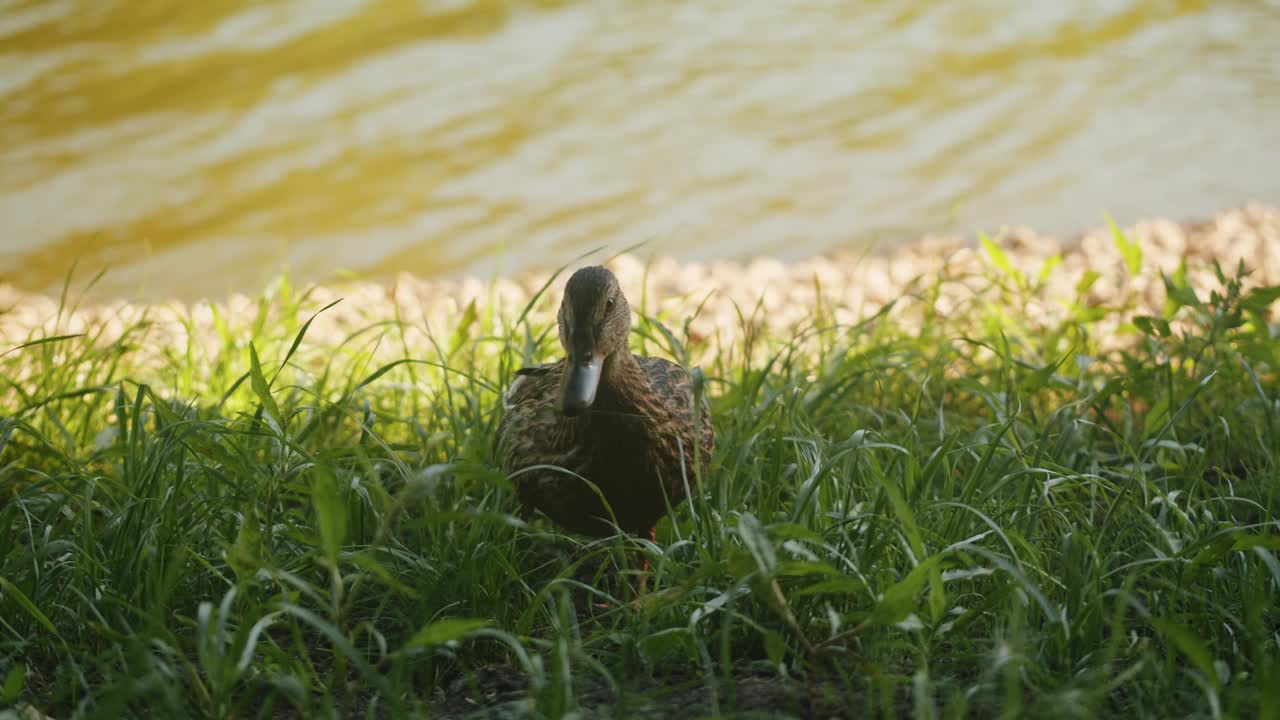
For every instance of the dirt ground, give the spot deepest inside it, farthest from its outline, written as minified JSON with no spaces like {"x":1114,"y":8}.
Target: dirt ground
{"x":500,"y":693}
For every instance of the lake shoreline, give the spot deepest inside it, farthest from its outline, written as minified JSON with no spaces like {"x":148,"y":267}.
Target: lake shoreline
{"x":851,"y":287}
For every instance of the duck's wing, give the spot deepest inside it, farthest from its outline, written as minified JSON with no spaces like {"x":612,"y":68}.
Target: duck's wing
{"x":526,"y":384}
{"x":534,"y":432}
{"x":527,"y":430}
{"x":673,"y":390}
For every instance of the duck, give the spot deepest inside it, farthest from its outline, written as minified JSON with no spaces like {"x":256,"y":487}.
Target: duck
{"x":602,"y":416}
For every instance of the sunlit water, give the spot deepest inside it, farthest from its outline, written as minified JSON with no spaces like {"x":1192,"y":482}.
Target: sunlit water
{"x":194,"y":148}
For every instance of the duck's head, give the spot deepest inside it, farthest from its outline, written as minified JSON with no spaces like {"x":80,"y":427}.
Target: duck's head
{"x":595,"y":323}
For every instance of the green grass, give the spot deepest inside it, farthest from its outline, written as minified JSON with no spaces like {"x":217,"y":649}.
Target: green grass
{"x":966,"y":515}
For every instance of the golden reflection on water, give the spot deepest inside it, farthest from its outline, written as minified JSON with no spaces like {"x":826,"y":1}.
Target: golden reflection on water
{"x":195,"y":148}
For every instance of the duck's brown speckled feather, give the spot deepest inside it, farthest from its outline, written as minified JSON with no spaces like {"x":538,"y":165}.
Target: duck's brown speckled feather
{"x":636,"y":444}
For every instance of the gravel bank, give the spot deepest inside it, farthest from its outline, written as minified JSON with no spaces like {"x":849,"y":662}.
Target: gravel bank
{"x":850,"y":286}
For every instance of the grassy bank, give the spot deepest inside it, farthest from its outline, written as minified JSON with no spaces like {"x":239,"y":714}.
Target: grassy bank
{"x":238,"y":512}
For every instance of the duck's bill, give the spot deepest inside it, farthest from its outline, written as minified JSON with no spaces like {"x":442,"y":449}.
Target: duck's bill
{"x":580,"y":386}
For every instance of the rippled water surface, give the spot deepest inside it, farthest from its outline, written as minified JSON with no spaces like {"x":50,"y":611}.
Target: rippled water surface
{"x":198,"y":147}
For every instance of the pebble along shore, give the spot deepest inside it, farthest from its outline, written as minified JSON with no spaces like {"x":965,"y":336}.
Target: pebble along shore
{"x":850,"y":287}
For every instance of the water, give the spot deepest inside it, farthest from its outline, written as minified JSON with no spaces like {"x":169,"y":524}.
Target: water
{"x":195,"y":148}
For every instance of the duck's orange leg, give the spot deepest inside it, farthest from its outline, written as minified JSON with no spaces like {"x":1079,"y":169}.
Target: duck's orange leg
{"x":652,"y":534}
{"x":653,"y":538}
{"x":641,"y":584}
